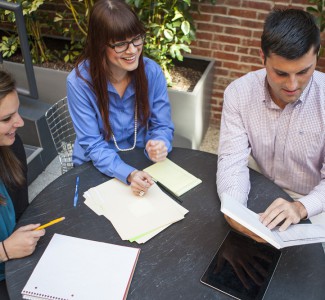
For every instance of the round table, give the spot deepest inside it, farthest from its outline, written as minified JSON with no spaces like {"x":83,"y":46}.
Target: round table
{"x":171,"y":264}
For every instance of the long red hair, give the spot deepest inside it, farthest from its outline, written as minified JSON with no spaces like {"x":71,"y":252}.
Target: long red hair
{"x":111,"y":21}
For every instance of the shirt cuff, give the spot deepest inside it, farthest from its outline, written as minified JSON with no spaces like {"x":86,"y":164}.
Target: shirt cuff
{"x":123,"y":171}
{"x":312,"y":204}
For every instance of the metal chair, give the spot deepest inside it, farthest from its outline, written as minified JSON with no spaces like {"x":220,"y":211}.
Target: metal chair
{"x":60,"y":124}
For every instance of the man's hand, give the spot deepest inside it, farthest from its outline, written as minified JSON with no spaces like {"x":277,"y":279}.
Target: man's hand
{"x":23,"y":241}
{"x":140,"y":182}
{"x":157,"y":150}
{"x":283,"y":210}
{"x":243,"y":230}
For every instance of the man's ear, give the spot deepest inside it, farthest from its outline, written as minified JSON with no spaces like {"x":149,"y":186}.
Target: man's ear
{"x":262,"y":56}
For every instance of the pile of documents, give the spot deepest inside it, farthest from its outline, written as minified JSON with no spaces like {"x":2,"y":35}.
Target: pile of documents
{"x":134,"y":218}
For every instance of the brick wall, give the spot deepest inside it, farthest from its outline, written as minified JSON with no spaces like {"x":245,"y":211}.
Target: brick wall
{"x":230,"y":32}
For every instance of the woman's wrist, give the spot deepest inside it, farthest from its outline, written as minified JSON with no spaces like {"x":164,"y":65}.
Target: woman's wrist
{"x":3,"y":253}
{"x":129,"y":179}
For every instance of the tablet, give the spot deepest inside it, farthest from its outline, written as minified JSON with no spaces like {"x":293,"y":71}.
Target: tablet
{"x":242,"y":268}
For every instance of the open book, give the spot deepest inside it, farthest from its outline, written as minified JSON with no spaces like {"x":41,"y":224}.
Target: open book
{"x":297,"y":234}
{"x":78,"y":269}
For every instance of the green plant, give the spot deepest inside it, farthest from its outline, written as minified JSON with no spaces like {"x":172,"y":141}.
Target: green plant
{"x":34,"y":25}
{"x":170,"y":29}
{"x":319,"y":13}
{"x":9,"y":45}
{"x":75,"y":21}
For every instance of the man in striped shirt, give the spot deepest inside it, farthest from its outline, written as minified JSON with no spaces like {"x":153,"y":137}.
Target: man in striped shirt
{"x":276,"y":116}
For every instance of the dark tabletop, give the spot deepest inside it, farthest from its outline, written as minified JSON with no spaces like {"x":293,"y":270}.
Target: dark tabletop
{"x":171,"y":264}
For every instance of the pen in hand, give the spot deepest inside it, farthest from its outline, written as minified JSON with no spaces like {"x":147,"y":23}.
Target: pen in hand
{"x":167,"y":190}
{"x":50,"y":223}
{"x":75,"y":198}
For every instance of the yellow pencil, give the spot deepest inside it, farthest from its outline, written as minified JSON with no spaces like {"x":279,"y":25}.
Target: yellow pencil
{"x":50,"y":223}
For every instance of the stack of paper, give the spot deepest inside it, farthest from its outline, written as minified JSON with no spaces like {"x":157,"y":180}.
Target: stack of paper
{"x":134,"y":218}
{"x":173,"y":176}
{"x":79,"y":269}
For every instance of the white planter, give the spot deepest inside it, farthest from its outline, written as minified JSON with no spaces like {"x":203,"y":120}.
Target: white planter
{"x":51,"y":84}
{"x":191,"y":110}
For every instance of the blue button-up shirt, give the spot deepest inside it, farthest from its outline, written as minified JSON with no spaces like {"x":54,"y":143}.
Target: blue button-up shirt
{"x":90,"y":144}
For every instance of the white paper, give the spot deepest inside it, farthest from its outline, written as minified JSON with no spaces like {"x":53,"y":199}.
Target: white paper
{"x":79,"y":269}
{"x":132,"y":215}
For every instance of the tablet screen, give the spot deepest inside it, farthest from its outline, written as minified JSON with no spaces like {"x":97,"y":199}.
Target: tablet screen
{"x":242,"y":268}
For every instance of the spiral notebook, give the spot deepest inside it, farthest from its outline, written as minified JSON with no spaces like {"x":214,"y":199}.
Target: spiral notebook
{"x":78,"y":269}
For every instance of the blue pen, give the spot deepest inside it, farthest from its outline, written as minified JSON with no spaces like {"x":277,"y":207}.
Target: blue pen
{"x":75,"y":199}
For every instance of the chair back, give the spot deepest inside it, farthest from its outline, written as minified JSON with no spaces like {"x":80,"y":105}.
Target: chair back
{"x":60,"y":124}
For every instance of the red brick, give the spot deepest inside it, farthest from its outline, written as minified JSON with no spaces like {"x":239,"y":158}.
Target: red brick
{"x":225,"y":56}
{"x":265,"y":5}
{"x":251,"y":24}
{"x":204,"y":35}
{"x":238,"y":31}
{"x":227,"y":39}
{"x":209,"y":27}
{"x":202,"y":17}
{"x":226,"y":20}
{"x":251,"y":60}
{"x":249,"y":14}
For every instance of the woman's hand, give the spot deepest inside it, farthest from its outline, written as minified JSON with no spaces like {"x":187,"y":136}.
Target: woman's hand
{"x":23,"y":241}
{"x":157,"y":150}
{"x":140,"y":182}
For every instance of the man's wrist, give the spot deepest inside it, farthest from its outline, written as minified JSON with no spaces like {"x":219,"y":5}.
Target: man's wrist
{"x":302,"y":210}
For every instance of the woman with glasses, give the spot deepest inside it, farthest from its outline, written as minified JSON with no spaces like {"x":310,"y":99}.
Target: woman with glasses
{"x":13,"y":183}
{"x":117,"y":98}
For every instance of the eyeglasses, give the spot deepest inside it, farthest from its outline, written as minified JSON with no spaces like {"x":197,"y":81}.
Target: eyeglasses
{"x":123,"y":46}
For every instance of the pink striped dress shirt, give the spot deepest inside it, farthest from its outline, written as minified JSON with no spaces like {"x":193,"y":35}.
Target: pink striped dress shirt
{"x":288,"y":145}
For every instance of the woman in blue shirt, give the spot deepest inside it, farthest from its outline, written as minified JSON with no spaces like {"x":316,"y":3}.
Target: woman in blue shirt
{"x":22,"y":242}
{"x":117,"y":98}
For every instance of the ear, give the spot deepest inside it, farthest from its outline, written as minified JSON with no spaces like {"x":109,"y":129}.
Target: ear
{"x":262,"y":56}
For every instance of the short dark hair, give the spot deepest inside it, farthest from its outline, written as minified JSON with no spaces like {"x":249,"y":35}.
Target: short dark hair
{"x":290,"y":33}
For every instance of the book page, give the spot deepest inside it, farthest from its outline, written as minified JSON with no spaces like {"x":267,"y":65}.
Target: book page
{"x":302,"y":232}
{"x":248,"y":219}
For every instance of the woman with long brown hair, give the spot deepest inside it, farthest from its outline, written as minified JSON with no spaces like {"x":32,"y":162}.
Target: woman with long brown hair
{"x":13,"y":185}
{"x":117,"y":98}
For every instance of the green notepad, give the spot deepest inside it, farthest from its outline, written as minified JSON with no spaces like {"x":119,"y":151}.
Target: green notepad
{"x":173,"y":176}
